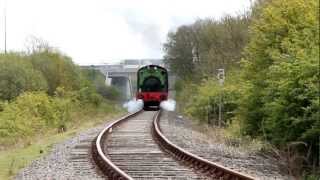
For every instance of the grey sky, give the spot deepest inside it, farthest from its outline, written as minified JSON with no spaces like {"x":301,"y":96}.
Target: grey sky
{"x":104,"y":31}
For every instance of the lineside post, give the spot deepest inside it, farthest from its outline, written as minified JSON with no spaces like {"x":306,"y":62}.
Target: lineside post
{"x":220,"y":77}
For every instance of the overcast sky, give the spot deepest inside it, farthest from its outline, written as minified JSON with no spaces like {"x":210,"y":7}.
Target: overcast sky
{"x":104,"y":31}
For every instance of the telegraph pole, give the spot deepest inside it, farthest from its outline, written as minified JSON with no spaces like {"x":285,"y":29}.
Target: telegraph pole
{"x":5,"y":27}
{"x":221,"y":78}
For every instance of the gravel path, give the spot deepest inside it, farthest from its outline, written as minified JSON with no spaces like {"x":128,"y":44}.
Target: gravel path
{"x":182,"y":132}
{"x":69,"y":159}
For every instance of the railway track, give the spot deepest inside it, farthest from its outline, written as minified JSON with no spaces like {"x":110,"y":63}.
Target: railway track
{"x":134,"y":147}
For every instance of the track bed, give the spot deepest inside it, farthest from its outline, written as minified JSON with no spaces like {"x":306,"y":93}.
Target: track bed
{"x":131,"y":147}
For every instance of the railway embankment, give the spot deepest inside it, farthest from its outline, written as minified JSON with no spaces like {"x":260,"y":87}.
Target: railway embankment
{"x":69,"y":157}
{"x":48,"y":152}
{"x":45,"y":98}
{"x":72,"y":159}
{"x":192,"y":137}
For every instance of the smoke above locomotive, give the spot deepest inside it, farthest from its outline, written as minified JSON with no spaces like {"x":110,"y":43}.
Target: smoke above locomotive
{"x":152,"y":85}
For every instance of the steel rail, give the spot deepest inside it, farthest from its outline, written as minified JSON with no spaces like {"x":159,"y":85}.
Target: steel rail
{"x":212,"y":169}
{"x":104,"y":163}
{"x":208,"y":168}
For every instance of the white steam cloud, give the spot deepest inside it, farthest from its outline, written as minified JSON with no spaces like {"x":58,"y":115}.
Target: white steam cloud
{"x":168,"y":105}
{"x":133,"y":105}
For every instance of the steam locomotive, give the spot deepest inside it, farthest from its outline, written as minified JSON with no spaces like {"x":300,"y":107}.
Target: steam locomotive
{"x":152,"y":85}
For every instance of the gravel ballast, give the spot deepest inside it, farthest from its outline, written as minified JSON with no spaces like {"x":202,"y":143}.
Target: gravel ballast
{"x":184,"y":133}
{"x":69,"y":159}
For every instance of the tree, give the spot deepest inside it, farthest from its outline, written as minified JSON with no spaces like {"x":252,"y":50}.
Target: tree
{"x":179,"y":51}
{"x":58,"y":70}
{"x":95,"y":79}
{"x":17,"y":75}
{"x":221,"y":42}
{"x":281,"y":66}
{"x":212,"y":43}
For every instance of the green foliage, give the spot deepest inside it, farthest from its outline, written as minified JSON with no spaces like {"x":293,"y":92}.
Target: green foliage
{"x":109,"y":92}
{"x":41,"y":90}
{"x":2,"y":104}
{"x":179,"y":51}
{"x":277,"y":96}
{"x":94,"y":76}
{"x":221,"y":43}
{"x":94,"y":79}
{"x":311,"y":177}
{"x":185,"y":90}
{"x":17,"y":75}
{"x":196,"y":51}
{"x":32,"y":113}
{"x":40,"y":71}
{"x":204,"y":105}
{"x":57,"y":69}
{"x":281,"y":67}
{"x":89,"y":95}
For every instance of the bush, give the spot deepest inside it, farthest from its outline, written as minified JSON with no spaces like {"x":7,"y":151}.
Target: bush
{"x":58,"y":70}
{"x":43,"y":90}
{"x":88,"y":95}
{"x":281,"y":67}
{"x":32,"y":113}
{"x":205,"y":102}
{"x":185,"y":90}
{"x":95,"y":79}
{"x":17,"y":75}
{"x":109,"y":92}
{"x":2,"y":105}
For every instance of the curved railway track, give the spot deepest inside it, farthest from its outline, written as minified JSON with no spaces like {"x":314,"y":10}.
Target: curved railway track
{"x":134,"y":147}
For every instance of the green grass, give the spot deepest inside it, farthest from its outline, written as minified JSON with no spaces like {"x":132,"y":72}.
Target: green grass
{"x":14,"y":158}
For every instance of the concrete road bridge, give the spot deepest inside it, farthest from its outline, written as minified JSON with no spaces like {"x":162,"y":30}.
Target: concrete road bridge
{"x":123,"y":75}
